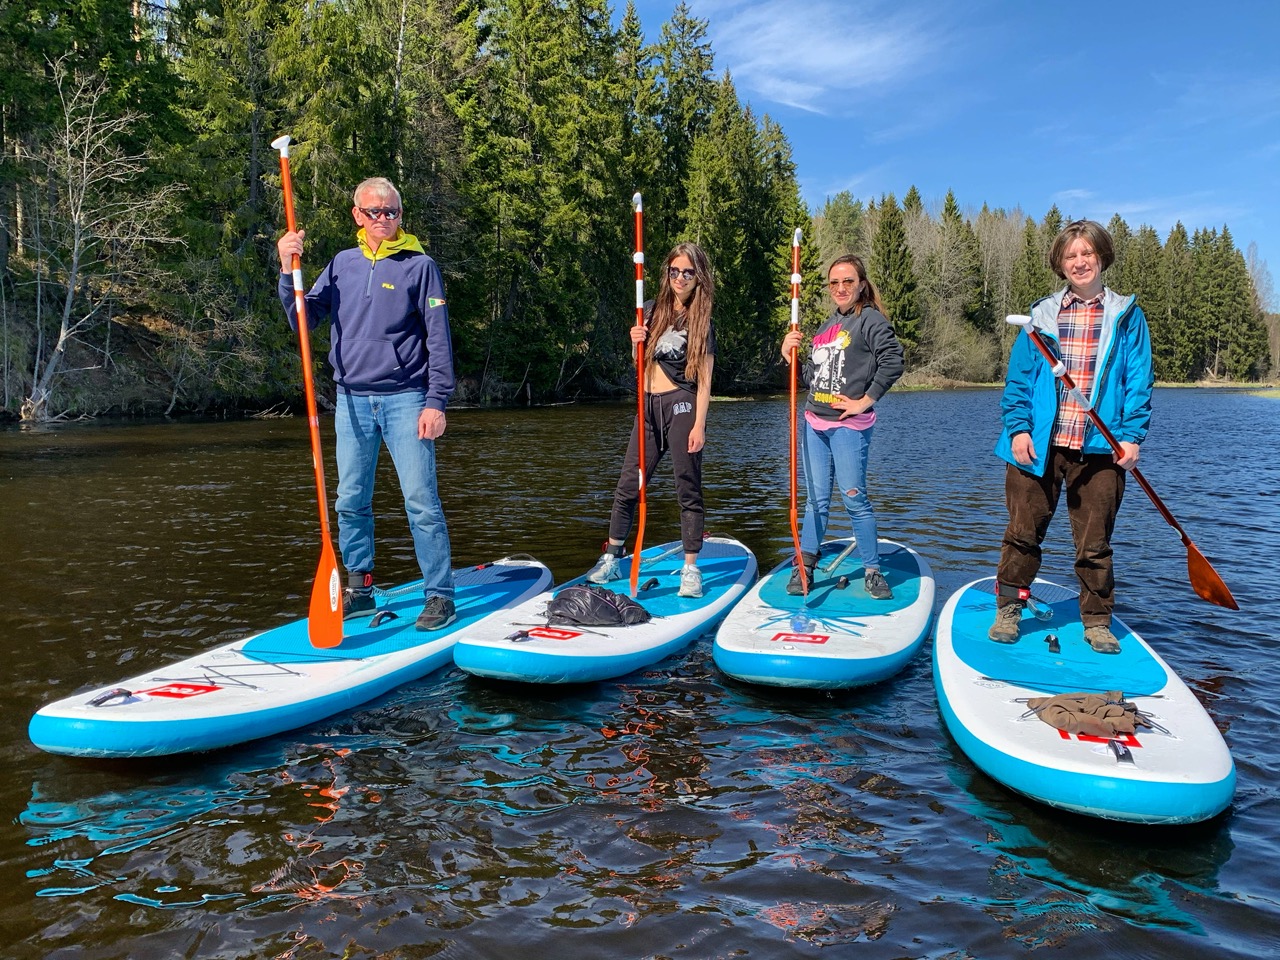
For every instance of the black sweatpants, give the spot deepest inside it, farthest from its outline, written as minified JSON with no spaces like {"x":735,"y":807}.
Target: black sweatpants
{"x":668,"y":418}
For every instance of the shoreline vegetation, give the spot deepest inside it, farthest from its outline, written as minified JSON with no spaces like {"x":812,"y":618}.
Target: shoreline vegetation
{"x":140,"y":203}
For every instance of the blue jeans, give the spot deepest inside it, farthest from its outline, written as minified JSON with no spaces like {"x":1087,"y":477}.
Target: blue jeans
{"x":842,"y":451}
{"x":363,"y":425}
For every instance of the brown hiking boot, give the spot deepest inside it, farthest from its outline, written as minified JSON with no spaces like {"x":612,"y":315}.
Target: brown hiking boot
{"x":1101,"y":639}
{"x":1006,"y":627}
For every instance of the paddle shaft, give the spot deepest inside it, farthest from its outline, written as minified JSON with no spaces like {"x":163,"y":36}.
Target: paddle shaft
{"x":795,"y":413}
{"x":1206,"y":582}
{"x":642,"y":506}
{"x":324,"y":623}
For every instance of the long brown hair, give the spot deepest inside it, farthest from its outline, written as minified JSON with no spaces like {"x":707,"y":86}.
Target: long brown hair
{"x":869,"y":295}
{"x":697,"y":313}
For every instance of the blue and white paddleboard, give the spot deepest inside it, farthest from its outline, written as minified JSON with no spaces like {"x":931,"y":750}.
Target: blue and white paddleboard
{"x":276,"y":681}
{"x":838,"y":636}
{"x":520,"y":645}
{"x":1178,"y":772}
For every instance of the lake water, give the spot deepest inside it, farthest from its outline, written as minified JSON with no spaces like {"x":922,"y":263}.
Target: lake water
{"x":672,"y":813}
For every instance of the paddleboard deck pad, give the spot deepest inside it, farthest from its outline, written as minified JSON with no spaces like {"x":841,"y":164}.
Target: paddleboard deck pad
{"x":277,"y":681}
{"x":836,"y":637}
{"x":1177,"y":771}
{"x":521,"y":645}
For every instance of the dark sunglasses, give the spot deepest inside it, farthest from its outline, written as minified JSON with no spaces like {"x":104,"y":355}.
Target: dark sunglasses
{"x":675,"y":273}
{"x":385,"y":213}
{"x":843,"y":282}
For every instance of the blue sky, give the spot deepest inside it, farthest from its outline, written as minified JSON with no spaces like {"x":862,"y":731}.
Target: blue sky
{"x":1157,"y":111}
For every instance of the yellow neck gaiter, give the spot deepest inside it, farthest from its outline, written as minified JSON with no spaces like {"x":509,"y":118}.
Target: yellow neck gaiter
{"x":400,"y":242}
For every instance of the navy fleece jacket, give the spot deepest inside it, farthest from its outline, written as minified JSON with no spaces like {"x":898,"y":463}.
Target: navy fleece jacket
{"x":390,"y":321}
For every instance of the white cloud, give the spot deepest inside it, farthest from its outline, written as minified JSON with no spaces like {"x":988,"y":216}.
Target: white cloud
{"x":819,"y":56}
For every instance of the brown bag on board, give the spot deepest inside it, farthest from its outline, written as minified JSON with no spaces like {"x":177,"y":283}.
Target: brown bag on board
{"x":1094,"y":714}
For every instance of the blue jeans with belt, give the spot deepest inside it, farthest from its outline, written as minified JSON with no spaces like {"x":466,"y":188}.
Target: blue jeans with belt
{"x":841,"y":451}
{"x":363,"y":425}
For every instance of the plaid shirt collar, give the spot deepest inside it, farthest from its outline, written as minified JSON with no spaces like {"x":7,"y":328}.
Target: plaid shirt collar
{"x":1072,"y":298}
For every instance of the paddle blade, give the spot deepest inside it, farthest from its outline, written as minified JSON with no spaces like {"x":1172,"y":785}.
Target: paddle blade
{"x":324,"y":621}
{"x":1205,"y":580}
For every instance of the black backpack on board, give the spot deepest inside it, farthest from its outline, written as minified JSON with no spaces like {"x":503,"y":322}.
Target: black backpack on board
{"x":587,"y":605}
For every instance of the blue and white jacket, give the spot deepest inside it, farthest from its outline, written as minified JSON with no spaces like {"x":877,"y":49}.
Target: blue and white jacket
{"x":390,"y":320}
{"x":1121,"y":394}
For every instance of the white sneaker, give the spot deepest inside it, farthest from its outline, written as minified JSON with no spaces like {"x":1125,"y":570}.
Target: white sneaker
{"x":606,"y":569}
{"x":690,"y":581}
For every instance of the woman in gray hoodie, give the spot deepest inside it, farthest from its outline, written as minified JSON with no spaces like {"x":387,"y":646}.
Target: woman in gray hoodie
{"x":855,"y":359}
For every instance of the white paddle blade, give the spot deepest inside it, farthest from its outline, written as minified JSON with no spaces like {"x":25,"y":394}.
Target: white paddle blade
{"x":636,"y":202}
{"x":795,"y":239}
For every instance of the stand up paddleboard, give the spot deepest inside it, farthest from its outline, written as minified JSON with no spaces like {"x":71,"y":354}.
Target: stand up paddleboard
{"x":836,"y":637}
{"x":276,"y":681}
{"x":521,"y":645}
{"x":1178,"y":771}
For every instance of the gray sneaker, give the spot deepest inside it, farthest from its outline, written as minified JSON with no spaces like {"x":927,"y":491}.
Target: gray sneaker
{"x":356,"y":603}
{"x":438,"y":613}
{"x":690,"y":581}
{"x":1101,"y":639}
{"x":1007,"y":627}
{"x":877,"y":586}
{"x":606,"y":569}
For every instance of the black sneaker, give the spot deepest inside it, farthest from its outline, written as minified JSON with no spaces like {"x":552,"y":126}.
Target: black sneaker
{"x":795,"y":586}
{"x":437,"y":614}
{"x":877,"y":586}
{"x":356,"y":603}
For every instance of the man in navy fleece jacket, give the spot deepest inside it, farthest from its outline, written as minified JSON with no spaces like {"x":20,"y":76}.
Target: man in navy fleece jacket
{"x":392,"y":361}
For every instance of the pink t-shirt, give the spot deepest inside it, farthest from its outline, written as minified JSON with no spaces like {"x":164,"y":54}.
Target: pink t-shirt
{"x":859,"y":421}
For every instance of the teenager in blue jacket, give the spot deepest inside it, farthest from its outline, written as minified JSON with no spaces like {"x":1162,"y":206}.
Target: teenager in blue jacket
{"x":1049,"y":442}
{"x":392,"y":360}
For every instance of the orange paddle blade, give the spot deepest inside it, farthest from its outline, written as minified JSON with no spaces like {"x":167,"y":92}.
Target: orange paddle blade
{"x":324,"y":622}
{"x":1205,"y":580}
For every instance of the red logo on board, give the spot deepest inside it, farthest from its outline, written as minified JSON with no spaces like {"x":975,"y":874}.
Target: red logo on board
{"x":180,"y":691}
{"x":1129,"y":740}
{"x":551,"y":633}
{"x":800,"y":638}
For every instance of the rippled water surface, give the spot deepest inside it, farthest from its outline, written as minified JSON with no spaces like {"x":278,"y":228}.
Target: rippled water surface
{"x":672,"y":813}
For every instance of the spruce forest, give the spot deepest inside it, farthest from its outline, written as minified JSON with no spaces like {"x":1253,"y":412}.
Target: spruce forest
{"x":140,"y":201}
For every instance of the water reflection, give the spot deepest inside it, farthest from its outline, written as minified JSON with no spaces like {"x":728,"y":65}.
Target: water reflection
{"x":671,"y":813}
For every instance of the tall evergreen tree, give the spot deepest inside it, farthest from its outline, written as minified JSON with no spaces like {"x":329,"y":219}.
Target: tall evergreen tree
{"x":1032,"y":278}
{"x":893,"y":273}
{"x":1121,"y":236}
{"x":837,"y":228}
{"x":1140,"y":274}
{"x":688,"y":92}
{"x":1170,"y":343}
{"x":956,"y":271}
{"x":1237,"y":338}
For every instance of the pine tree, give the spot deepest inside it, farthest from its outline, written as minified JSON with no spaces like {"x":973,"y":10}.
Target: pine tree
{"x":1238,"y":339}
{"x":1032,"y":278}
{"x":892,"y":272}
{"x":1171,"y":349}
{"x":1140,"y":275}
{"x":837,"y":228}
{"x":688,"y":91}
{"x":1120,"y":239}
{"x":958,"y":270}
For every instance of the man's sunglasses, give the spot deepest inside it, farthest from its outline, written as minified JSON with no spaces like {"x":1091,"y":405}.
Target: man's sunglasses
{"x":383,"y":213}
